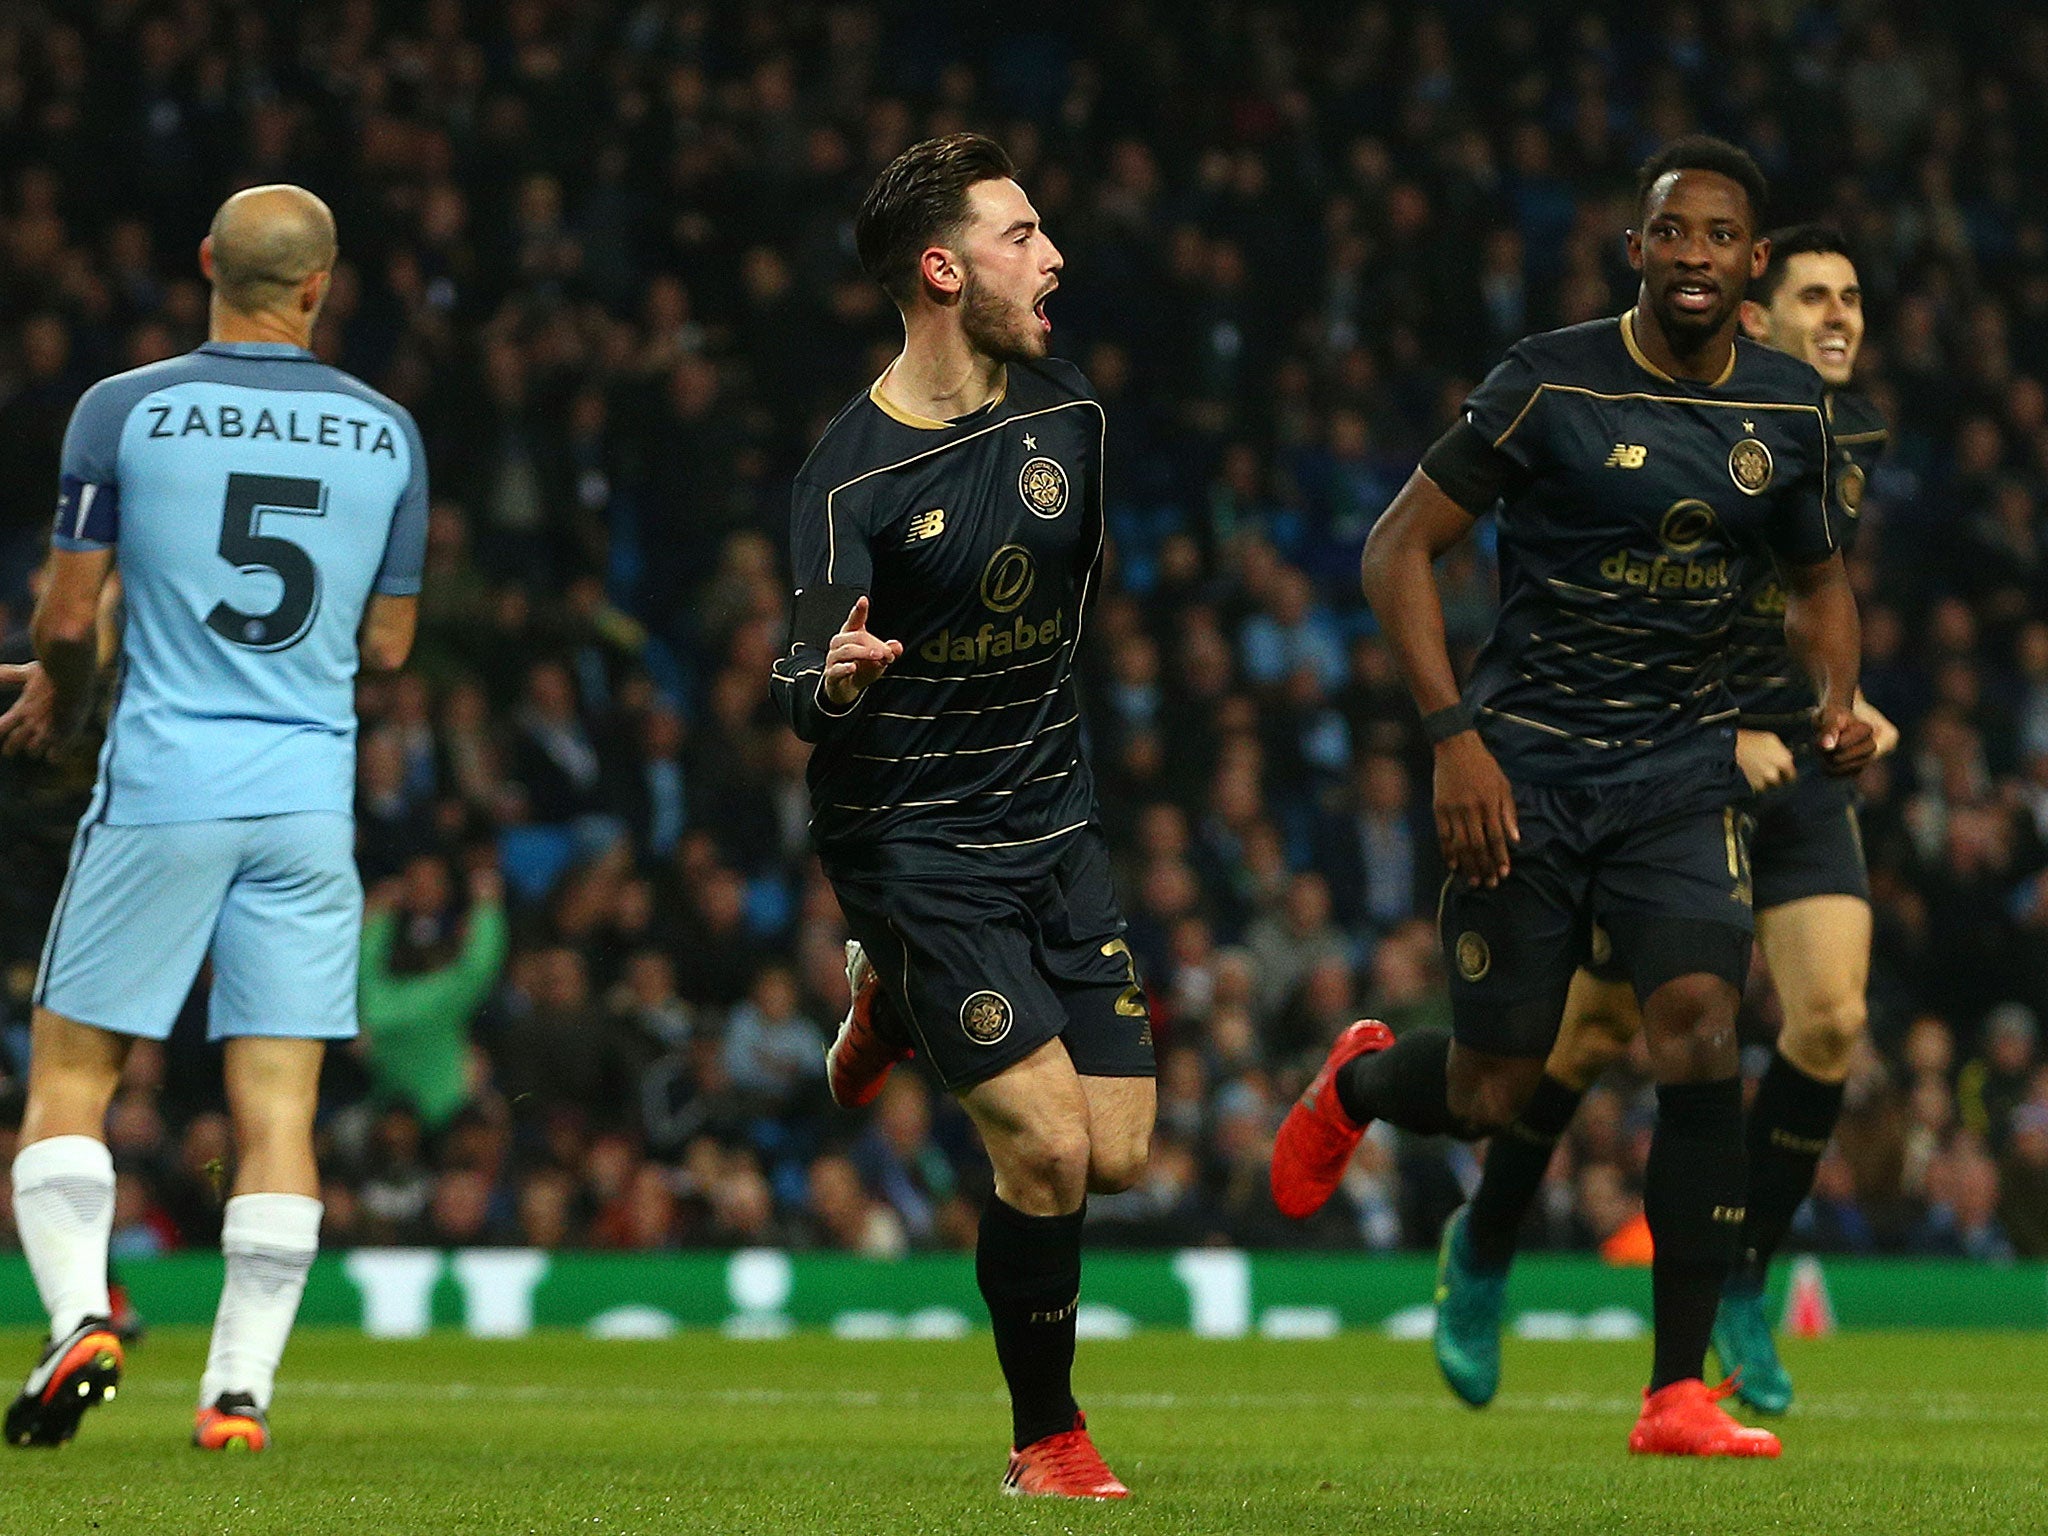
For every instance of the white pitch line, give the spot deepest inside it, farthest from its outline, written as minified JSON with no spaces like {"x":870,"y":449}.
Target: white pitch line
{"x":1925,"y":1407}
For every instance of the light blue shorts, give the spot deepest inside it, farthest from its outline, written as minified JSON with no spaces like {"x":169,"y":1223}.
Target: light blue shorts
{"x":274,"y":900}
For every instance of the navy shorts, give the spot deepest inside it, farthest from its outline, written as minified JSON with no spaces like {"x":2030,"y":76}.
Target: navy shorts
{"x":985,"y":972}
{"x":1807,"y":842}
{"x":1650,"y":878}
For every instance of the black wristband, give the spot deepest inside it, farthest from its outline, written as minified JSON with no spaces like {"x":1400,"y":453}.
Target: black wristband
{"x":1441,"y":725}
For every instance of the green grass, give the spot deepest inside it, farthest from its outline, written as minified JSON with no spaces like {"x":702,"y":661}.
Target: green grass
{"x":1907,"y":1433}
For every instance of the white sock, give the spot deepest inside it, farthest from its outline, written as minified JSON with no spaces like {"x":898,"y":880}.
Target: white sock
{"x":269,"y":1242}
{"x":64,"y":1208}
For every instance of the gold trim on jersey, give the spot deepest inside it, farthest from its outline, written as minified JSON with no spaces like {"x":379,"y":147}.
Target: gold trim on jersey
{"x":1619,"y":661}
{"x":1102,"y":436}
{"x":987,"y":709}
{"x":1008,"y":746}
{"x":980,"y":794}
{"x":1741,"y":405}
{"x":928,"y":423}
{"x":1642,"y":358}
{"x":1022,"y":842}
{"x":1598,"y":698}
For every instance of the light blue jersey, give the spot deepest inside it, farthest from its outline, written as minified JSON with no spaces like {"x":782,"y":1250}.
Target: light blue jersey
{"x":255,"y":498}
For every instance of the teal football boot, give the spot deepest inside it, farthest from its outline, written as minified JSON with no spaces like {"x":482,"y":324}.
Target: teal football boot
{"x":1469,"y":1304}
{"x":1743,"y":1343}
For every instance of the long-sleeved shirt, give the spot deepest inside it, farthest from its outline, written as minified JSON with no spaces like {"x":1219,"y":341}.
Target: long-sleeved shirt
{"x":417,"y":1026}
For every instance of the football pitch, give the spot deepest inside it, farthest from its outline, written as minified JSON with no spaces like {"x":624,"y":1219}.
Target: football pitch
{"x":1901,"y":1432}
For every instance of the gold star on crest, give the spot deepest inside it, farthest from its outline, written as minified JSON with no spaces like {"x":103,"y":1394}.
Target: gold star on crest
{"x":1030,"y":442}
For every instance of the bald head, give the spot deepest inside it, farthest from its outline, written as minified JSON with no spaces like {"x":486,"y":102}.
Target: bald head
{"x":264,"y":244}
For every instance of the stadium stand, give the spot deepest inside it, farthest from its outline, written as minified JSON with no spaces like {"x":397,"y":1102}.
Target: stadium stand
{"x":602,"y":251}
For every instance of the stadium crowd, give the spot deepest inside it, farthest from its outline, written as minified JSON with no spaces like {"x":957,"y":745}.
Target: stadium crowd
{"x":602,"y":251}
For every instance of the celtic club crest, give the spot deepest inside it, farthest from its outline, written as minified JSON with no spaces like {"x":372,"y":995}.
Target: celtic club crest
{"x":1043,"y":485}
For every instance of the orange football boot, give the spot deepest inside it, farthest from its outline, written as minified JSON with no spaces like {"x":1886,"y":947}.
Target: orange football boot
{"x":1687,"y":1419}
{"x":77,"y":1372}
{"x":1063,"y":1466}
{"x":1317,"y":1138}
{"x":860,"y":1057}
{"x":233,"y":1423}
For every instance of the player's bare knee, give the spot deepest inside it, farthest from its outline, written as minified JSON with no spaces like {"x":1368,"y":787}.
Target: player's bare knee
{"x":74,"y":1070}
{"x":1048,"y":1167}
{"x":1821,"y":1035}
{"x":1115,"y":1166}
{"x":1689,"y":1025}
{"x":1687,"y":1005}
{"x":1590,"y":1050}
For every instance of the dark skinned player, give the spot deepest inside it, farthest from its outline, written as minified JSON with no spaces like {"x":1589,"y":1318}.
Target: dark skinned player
{"x":1587,"y":775}
{"x":1812,"y":910}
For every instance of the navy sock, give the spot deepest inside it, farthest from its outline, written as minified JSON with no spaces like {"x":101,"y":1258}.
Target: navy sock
{"x":1692,"y":1195}
{"x":1407,"y":1085}
{"x":1516,"y":1160}
{"x":1789,"y":1125}
{"x":1029,"y":1270}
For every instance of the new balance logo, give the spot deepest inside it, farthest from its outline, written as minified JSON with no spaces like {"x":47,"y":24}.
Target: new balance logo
{"x":1627,"y":456}
{"x":926,"y":525}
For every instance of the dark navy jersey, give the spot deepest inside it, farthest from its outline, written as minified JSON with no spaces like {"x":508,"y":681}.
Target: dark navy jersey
{"x":1631,"y":502}
{"x":978,"y":542}
{"x":1769,"y":687}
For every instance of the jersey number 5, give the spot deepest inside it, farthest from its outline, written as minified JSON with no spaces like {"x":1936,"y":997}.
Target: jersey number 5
{"x":248,"y":498}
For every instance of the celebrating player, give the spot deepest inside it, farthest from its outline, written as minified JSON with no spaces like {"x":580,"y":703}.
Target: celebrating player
{"x":957,"y":504}
{"x":267,"y":517}
{"x":1812,"y":909}
{"x":1589,"y":775}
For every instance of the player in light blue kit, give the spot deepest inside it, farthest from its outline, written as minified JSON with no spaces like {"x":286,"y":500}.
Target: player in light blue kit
{"x":266,"y":516}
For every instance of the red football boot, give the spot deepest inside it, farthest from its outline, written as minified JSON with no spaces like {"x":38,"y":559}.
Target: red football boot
{"x":1317,"y":1138}
{"x":1063,"y":1466}
{"x":1687,"y":1419}
{"x":858,"y":1060}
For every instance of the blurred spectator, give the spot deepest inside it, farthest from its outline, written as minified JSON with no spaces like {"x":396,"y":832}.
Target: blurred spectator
{"x":1992,"y":1085}
{"x":424,"y":977}
{"x":771,"y":1050}
{"x":845,"y":1216}
{"x":558,"y":1049}
{"x":2023,"y":1180}
{"x":898,"y":1160}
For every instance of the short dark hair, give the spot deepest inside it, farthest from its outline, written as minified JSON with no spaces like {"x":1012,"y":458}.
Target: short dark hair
{"x":921,"y":199}
{"x":1704,"y":152}
{"x":1796,"y":240}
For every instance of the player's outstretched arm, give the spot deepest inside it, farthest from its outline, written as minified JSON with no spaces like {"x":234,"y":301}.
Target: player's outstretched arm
{"x":1475,"y":806}
{"x":1826,"y":638}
